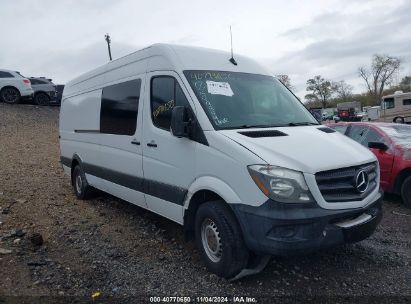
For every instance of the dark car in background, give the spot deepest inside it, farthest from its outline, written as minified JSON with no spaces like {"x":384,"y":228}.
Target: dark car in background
{"x":391,"y":143}
{"x":44,"y":90}
{"x":59,"y":92}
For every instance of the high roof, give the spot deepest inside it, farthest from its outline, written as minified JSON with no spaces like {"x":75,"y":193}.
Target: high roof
{"x":5,"y":70}
{"x":398,"y":94}
{"x":179,"y":58}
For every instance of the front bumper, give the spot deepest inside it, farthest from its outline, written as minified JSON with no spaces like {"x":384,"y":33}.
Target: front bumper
{"x":280,"y":229}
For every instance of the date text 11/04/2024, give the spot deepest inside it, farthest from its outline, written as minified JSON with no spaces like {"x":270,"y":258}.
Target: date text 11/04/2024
{"x":203,"y":299}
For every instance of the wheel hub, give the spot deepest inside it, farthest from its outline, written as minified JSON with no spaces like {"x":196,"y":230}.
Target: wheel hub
{"x":211,"y":240}
{"x":42,"y":99}
{"x":79,"y":183}
{"x":10,"y":95}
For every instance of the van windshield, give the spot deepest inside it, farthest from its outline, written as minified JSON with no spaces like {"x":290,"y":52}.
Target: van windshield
{"x":235,"y":100}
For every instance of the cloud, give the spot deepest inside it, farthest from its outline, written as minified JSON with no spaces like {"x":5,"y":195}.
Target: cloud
{"x":62,"y":39}
{"x":339,"y":43}
{"x":64,"y":65}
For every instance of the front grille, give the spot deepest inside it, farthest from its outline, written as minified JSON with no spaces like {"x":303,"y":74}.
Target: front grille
{"x":339,"y":185}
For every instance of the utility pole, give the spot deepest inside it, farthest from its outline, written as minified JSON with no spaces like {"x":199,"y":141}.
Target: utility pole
{"x":108,"y":40}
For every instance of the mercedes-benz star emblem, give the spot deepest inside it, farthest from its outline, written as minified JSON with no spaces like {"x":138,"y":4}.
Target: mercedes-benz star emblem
{"x":361,"y":181}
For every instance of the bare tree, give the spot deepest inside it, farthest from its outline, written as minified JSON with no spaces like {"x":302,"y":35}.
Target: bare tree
{"x":320,"y":88}
{"x":380,"y":74}
{"x":285,"y":80}
{"x":343,"y":90}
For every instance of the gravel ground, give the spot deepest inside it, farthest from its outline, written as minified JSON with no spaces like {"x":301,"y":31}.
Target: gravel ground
{"x":122,"y":251}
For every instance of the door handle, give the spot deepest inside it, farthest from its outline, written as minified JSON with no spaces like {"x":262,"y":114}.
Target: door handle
{"x":134,"y":142}
{"x":152,"y":144}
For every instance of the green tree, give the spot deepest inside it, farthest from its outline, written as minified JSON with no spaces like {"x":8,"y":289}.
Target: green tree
{"x":405,"y":84}
{"x":320,"y":89}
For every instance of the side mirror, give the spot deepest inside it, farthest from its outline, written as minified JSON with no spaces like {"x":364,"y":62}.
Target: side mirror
{"x":180,"y":122}
{"x":377,"y":145}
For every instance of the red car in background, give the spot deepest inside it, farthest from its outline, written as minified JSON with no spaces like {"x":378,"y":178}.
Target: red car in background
{"x":391,"y":143}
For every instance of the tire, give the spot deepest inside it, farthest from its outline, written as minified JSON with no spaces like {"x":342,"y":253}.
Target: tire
{"x":399,"y":120}
{"x":10,"y":95}
{"x":80,"y":185}
{"x":219,"y":239}
{"x":406,"y":192}
{"x":41,"y":99}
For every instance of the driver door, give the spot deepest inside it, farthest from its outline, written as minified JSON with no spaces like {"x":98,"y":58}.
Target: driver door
{"x":168,"y":161}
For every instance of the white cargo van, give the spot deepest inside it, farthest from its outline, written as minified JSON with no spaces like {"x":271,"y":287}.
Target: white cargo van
{"x":222,"y":148}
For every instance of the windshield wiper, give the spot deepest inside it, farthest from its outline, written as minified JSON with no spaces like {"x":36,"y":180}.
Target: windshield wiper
{"x":257,"y":126}
{"x":291,"y":124}
{"x":296,"y":124}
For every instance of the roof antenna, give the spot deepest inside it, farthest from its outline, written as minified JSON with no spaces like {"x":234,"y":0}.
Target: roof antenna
{"x":108,"y":40}
{"x":232,"y":60}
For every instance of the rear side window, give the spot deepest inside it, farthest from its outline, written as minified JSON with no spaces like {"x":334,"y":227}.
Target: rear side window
{"x":119,"y":108}
{"x":38,"y":81}
{"x":35,"y":81}
{"x":406,"y":102}
{"x":166,"y":93}
{"x":6,"y":75}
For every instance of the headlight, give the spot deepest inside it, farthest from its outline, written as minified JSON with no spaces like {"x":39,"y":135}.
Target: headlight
{"x":280,"y":184}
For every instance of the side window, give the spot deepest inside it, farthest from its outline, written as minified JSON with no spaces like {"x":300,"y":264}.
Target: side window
{"x":119,"y":108}
{"x":358,"y":133}
{"x":166,"y":93}
{"x":34,"y":81}
{"x":373,"y":135}
{"x":389,"y":103}
{"x":406,"y":102}
{"x":341,"y":129}
{"x":5,"y":75}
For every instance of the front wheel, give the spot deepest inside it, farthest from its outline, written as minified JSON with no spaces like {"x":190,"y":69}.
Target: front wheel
{"x":10,"y":95}
{"x":219,"y":239}
{"x":406,"y":192}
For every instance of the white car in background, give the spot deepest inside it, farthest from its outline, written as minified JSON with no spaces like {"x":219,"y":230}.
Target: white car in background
{"x":14,"y":87}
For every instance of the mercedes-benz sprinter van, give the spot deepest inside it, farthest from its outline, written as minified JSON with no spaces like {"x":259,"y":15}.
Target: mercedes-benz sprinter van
{"x":221,"y":147}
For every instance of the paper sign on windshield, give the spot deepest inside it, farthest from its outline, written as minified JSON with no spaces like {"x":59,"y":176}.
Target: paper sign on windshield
{"x":219,"y":88}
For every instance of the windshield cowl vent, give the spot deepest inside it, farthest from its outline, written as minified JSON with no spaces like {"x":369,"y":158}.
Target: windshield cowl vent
{"x":327,"y":130}
{"x":263,"y":133}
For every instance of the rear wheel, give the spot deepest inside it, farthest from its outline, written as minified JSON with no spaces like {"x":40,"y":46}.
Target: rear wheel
{"x":42,"y":99}
{"x":406,"y":192}
{"x":10,"y":95}
{"x":80,"y":185}
{"x":399,"y":120}
{"x":219,"y":239}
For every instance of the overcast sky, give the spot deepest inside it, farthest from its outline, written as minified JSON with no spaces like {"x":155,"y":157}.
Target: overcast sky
{"x":63,"y":39}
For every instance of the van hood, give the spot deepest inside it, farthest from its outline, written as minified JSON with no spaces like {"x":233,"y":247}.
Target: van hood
{"x":303,"y":148}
